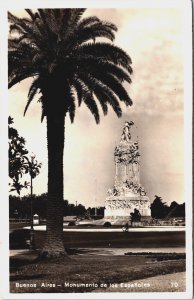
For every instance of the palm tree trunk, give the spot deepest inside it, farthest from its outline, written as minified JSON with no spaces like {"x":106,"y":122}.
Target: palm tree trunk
{"x":54,"y":246}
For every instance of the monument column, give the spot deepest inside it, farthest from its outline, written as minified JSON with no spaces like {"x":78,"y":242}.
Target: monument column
{"x":127,"y":193}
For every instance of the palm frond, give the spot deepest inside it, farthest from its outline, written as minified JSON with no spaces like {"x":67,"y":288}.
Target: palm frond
{"x":93,"y":32}
{"x":19,"y":77}
{"x":106,"y":51}
{"x":79,"y":86}
{"x":91,"y":104}
{"x":115,"y":85}
{"x":31,"y":14}
{"x":89,"y":31}
{"x":93,"y":64}
{"x":103,"y":93}
{"x":43,"y":113}
{"x":76,"y":15}
{"x":14,"y":19}
{"x":32,"y":92}
{"x":15,"y":28}
{"x":88,"y":21}
{"x":45,"y":21}
{"x":13,"y":43}
{"x":71,"y":101}
{"x":102,"y":100}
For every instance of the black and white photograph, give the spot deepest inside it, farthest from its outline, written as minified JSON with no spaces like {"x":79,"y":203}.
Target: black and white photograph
{"x":99,"y":116}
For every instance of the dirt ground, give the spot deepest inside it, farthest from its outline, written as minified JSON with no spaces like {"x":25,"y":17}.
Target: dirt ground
{"x":175,"y":282}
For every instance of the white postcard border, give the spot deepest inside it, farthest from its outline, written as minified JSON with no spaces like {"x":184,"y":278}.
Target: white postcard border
{"x":187,"y":7}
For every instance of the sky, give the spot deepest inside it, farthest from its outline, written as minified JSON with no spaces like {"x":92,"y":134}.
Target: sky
{"x":153,"y":37}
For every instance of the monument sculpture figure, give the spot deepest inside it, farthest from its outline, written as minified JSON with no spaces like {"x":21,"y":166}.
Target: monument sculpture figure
{"x":126,"y":136}
{"x":127,"y":195}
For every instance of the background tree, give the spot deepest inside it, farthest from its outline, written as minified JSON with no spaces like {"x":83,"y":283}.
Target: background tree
{"x":17,"y":153}
{"x":14,"y":205}
{"x":19,"y":162}
{"x":40,"y":204}
{"x":67,"y":62}
{"x":100,"y":211}
{"x":23,"y":205}
{"x":176,"y":210}
{"x":159,"y":209}
{"x":33,"y":167}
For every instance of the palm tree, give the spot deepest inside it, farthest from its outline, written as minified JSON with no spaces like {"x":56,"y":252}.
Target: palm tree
{"x":69,"y":61}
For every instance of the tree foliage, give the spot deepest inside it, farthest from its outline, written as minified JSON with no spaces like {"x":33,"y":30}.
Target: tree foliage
{"x":19,"y":163}
{"x":176,"y":210}
{"x":161,"y":210}
{"x":33,"y":166}
{"x":158,"y":208}
{"x":61,"y":51}
{"x":17,"y":153}
{"x":23,"y":207}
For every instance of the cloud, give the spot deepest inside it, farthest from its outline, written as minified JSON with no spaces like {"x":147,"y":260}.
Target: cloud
{"x":153,"y":38}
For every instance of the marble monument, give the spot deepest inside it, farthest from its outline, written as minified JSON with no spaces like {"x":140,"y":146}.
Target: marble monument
{"x":127,"y":194}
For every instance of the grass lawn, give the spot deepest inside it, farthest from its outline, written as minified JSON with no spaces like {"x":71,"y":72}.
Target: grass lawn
{"x":118,"y":239}
{"x":65,"y":275}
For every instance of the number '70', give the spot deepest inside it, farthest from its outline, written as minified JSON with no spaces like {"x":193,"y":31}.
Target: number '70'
{"x":174,"y":284}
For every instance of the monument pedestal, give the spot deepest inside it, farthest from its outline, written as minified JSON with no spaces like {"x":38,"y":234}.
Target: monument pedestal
{"x":136,"y":224}
{"x":123,"y":206}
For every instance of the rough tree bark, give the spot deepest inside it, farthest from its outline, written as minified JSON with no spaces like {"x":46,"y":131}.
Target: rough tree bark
{"x":54,"y":245}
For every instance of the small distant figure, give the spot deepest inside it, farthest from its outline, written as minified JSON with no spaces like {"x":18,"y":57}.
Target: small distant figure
{"x":126,"y":227}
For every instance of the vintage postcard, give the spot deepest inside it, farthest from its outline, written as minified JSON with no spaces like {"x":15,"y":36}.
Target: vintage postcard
{"x":97,"y":115}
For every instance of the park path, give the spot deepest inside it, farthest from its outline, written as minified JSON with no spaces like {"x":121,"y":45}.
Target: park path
{"x":104,"y":229}
{"x":16,"y":252}
{"x":175,"y":282}
{"x":105,"y":251}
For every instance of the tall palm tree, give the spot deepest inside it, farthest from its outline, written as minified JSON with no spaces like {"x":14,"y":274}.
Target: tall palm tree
{"x":70,"y":64}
